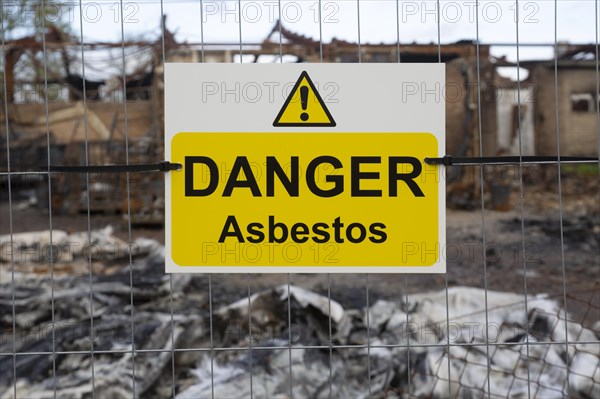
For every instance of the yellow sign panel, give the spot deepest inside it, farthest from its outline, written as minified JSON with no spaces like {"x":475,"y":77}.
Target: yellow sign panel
{"x":304,"y":107}
{"x":304,"y":200}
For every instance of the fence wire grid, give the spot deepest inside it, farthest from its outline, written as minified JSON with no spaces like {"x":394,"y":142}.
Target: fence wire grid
{"x":88,"y":312}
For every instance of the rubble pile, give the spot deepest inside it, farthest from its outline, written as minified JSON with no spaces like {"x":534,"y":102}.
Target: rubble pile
{"x":392,"y":349}
{"x":70,"y":252}
{"x":78,"y":301}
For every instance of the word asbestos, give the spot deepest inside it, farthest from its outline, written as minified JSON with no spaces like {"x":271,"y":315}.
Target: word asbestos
{"x":242,"y":177}
{"x":278,"y":232}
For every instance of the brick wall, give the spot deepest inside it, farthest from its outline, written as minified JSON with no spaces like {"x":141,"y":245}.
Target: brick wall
{"x":578,"y":130}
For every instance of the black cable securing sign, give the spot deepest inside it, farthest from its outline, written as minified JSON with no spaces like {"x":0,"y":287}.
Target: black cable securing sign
{"x":164,"y":166}
{"x":446,"y":160}
{"x":449,"y":160}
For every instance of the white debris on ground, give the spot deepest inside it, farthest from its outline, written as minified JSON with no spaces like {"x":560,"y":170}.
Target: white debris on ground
{"x":393,"y":349}
{"x":69,"y":252}
{"x":405,"y":349}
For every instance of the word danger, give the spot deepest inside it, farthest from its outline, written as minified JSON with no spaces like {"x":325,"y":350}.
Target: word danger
{"x":242,"y":177}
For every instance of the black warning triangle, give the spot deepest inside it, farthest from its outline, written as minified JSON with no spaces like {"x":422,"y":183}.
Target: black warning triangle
{"x":304,"y":106}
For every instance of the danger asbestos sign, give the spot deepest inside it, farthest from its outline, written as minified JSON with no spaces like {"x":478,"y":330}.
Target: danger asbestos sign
{"x":304,"y":168}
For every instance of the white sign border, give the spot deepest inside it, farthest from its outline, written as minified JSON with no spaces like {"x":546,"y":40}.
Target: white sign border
{"x":171,"y":267}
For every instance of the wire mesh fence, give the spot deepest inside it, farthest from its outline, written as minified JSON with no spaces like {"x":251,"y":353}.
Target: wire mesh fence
{"x":87,"y":310}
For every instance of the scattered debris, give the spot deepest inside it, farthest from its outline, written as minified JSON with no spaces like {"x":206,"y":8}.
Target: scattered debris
{"x":403,"y":351}
{"x":580,"y":231}
{"x":301,"y":344}
{"x":98,"y":245}
{"x":87,"y":313}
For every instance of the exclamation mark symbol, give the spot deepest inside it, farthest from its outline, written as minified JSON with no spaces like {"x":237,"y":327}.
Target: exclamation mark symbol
{"x":304,"y":101}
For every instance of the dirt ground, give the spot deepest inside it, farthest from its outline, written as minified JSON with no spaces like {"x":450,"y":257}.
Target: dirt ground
{"x":524,"y":238}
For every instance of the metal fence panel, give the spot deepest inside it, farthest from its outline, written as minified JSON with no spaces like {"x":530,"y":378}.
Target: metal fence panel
{"x":91,"y":315}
